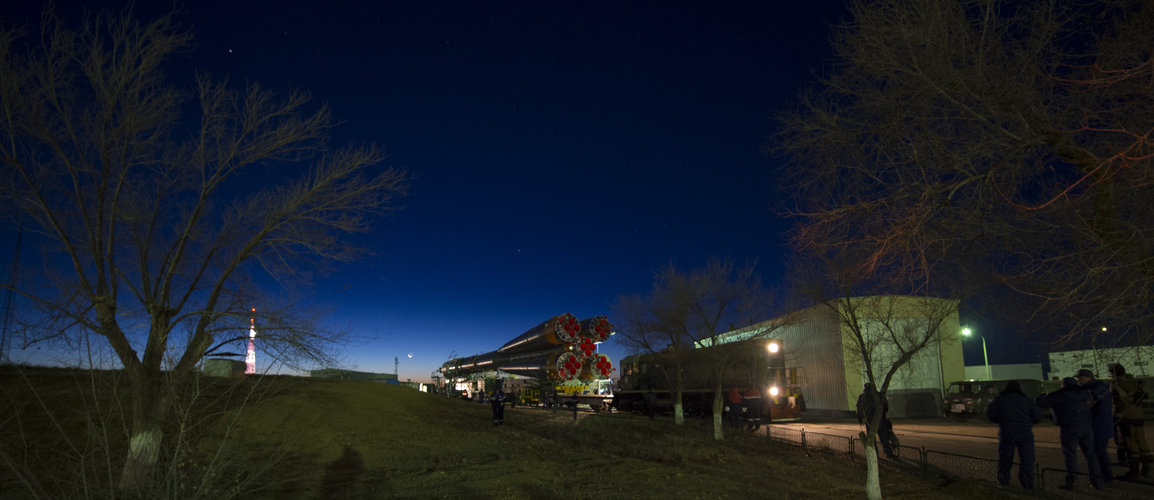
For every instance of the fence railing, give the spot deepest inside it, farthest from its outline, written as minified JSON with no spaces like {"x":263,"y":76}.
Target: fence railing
{"x":937,"y":462}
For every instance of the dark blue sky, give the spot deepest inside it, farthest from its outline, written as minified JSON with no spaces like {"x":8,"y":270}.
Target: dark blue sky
{"x":563,"y":151}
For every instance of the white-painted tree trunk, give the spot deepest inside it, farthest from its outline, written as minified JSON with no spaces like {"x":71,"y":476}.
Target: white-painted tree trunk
{"x":718,"y":430}
{"x":873,"y":487}
{"x":143,"y":453}
{"x":149,"y":409}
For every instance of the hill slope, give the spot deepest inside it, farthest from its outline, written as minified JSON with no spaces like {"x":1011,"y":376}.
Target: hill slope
{"x":64,"y":433}
{"x":364,"y":440}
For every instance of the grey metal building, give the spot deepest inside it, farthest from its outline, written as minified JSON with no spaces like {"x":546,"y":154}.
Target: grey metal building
{"x":830,"y":372}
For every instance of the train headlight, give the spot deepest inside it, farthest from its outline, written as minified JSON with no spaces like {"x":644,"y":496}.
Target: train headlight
{"x":774,"y":391}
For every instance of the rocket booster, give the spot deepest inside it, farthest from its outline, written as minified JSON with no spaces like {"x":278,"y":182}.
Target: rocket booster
{"x":562,"y":347}
{"x":555,"y":331}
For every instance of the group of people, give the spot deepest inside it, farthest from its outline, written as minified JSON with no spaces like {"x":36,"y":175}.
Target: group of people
{"x":497,"y":401}
{"x":743,"y":409}
{"x":1089,"y":413}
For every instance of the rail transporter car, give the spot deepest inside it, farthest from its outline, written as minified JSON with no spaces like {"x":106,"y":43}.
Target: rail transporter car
{"x":748,"y":364}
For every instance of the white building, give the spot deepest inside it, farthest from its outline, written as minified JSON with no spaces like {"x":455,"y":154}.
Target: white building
{"x":1135,"y":359}
{"x":1029,"y":371}
{"x":818,"y":342}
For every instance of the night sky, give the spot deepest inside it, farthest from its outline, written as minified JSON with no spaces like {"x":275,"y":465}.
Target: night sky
{"x":563,"y":151}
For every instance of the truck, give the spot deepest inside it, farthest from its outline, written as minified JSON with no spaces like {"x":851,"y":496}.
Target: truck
{"x":968,"y":398}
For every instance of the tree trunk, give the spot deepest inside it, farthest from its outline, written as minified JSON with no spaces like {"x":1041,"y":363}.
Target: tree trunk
{"x":873,"y":487}
{"x":149,"y":408}
{"x":718,"y":431}
{"x":678,"y":408}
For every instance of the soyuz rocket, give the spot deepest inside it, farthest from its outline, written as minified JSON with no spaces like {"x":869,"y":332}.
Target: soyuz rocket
{"x":562,"y":347}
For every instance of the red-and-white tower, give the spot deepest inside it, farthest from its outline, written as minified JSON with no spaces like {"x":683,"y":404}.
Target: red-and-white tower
{"x":250,"y":358}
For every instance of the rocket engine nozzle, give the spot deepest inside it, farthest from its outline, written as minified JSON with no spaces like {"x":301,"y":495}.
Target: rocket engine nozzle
{"x":557,"y":347}
{"x":567,"y":366}
{"x":598,"y":328}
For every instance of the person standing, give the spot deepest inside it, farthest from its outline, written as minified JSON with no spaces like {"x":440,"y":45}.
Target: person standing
{"x":1128,"y":396}
{"x":733,"y":408}
{"x":867,"y":407}
{"x":572,"y":403}
{"x":1071,"y":405}
{"x":1119,"y":441}
{"x":1101,"y":420}
{"x":751,"y":401}
{"x":1015,"y":413}
{"x":498,"y":402}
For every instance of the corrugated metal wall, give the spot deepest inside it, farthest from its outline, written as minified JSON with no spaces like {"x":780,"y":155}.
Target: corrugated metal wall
{"x":813,"y":343}
{"x":812,"y":339}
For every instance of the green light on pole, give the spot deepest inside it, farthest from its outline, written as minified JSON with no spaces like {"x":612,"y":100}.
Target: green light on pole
{"x":966,"y":332}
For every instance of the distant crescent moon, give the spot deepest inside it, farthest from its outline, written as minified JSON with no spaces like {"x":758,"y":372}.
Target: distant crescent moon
{"x":410,"y":354}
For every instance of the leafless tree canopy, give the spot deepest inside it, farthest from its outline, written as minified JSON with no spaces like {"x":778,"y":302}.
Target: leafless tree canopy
{"x":157,"y":218}
{"x":687,"y":309}
{"x":987,"y":141}
{"x":887,"y":338}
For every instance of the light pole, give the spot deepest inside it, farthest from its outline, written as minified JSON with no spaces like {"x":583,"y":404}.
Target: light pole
{"x":966,"y":332}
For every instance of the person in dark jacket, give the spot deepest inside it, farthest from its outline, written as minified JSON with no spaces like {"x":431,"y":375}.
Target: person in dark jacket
{"x":1015,"y":413}
{"x":733,"y":408}
{"x":867,"y":408}
{"x":751,"y":403}
{"x":1071,"y":405}
{"x":1128,"y":395}
{"x":498,"y":402}
{"x":1101,"y":420}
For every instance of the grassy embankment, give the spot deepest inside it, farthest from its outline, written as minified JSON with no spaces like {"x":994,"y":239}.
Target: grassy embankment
{"x":286,"y":437}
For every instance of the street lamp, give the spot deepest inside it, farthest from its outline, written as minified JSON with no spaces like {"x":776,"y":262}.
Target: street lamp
{"x":966,"y":332}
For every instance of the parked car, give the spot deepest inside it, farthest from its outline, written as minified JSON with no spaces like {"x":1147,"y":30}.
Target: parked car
{"x":971,"y":397}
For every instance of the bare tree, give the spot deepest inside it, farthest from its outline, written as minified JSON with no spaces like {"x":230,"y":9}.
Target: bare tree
{"x":646,"y":326}
{"x":1009,"y":139}
{"x":689,"y":310}
{"x":155,"y":220}
{"x":887,"y":333}
{"x":884,"y":336}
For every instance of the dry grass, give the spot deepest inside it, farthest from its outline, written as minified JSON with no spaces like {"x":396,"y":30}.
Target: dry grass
{"x":363,"y":440}
{"x":284,"y":437}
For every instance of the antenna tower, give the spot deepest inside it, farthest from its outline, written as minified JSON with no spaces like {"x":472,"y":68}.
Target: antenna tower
{"x":250,"y":358}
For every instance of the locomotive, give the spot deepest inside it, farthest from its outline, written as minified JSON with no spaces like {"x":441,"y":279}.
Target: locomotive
{"x":749,"y":364}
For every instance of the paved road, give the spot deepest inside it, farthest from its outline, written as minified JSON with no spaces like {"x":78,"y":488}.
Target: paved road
{"x":971,"y":437}
{"x":976,"y":439}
